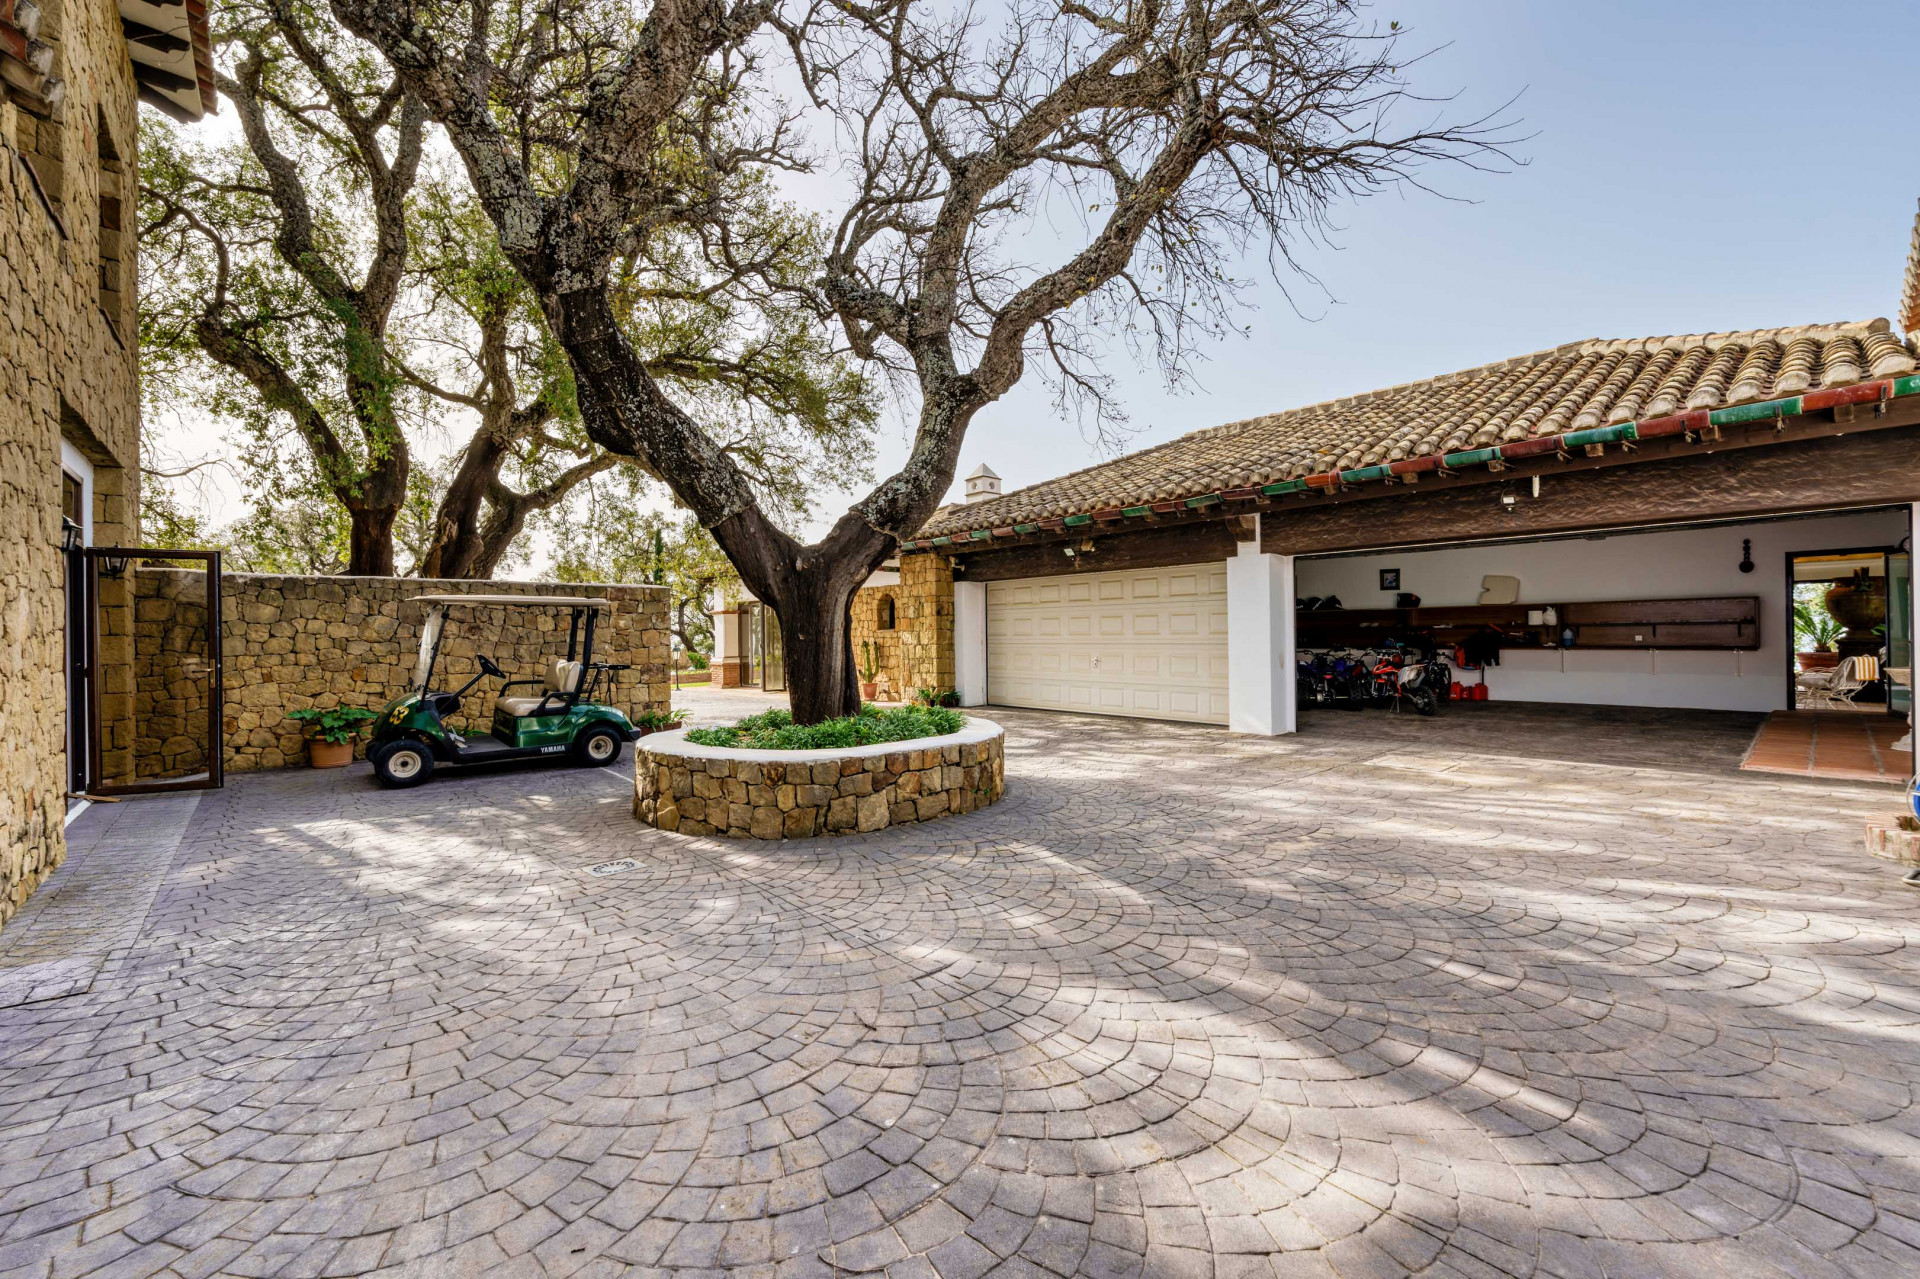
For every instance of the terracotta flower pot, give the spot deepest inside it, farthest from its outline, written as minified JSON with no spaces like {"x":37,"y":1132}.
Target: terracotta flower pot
{"x":868,"y":692}
{"x":329,"y":754}
{"x":1817,"y":661}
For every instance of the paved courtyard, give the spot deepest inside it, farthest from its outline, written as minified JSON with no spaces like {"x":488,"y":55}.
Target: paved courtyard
{"x":1516,"y":991}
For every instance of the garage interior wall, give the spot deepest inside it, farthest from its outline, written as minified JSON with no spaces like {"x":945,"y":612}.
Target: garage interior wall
{"x":1623,"y":566}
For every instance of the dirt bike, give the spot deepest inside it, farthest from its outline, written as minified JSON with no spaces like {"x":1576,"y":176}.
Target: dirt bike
{"x":1399,"y":678}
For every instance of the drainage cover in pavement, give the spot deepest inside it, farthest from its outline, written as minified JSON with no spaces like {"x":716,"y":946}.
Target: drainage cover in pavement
{"x":613,"y":868}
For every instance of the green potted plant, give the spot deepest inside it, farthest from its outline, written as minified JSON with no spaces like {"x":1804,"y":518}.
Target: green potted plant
{"x":936,"y":697}
{"x":869,"y":669}
{"x":331,"y":733}
{"x":658,"y":721}
{"x":1815,"y":627}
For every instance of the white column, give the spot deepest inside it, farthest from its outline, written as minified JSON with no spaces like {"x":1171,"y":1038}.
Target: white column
{"x":970,"y":642}
{"x":1913,"y":638}
{"x":1260,"y":657}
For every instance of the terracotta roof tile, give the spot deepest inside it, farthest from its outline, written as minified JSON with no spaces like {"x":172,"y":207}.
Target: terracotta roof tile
{"x":1575,"y":387}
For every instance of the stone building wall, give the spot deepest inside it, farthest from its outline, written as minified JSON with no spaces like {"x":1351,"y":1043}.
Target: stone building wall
{"x":65,"y":373}
{"x":295,"y":642}
{"x":867,"y":629}
{"x":921,"y":647}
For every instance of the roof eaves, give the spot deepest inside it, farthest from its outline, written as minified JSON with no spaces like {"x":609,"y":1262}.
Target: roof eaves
{"x":1698,"y":421}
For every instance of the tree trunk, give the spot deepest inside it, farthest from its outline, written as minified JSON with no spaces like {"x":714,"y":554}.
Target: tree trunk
{"x":816,"y":637}
{"x":457,"y":544}
{"x":370,"y":540}
{"x":809,"y":588}
{"x":812,"y":595}
{"x":504,"y":524}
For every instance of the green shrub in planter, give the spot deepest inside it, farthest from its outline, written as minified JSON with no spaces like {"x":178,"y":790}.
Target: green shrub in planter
{"x":336,"y":726}
{"x":774,"y":730}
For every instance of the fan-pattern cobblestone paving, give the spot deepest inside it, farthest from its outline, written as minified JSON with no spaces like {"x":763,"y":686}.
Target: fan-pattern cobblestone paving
{"x":1517,"y":991}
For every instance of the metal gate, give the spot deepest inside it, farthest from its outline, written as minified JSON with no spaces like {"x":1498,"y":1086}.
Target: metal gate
{"x":151,"y":652}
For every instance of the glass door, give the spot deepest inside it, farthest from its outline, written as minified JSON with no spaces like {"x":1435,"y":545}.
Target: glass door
{"x":1900,"y":628}
{"x":750,"y":636}
{"x":774,"y":664}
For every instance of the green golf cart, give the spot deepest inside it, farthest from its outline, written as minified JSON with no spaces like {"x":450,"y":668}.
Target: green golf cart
{"x":557,"y":716}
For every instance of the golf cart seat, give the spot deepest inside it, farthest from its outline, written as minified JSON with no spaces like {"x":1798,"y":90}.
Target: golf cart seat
{"x":562,"y":677}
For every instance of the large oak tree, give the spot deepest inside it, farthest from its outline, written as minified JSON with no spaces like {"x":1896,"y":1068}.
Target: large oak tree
{"x":1184,"y":130}
{"x":355,"y":305}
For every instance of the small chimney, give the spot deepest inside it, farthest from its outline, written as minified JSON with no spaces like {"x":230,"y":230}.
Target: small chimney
{"x":982,"y":485}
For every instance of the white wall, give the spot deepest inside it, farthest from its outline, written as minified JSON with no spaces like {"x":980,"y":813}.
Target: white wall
{"x":1260,"y":651}
{"x":1675,"y":565}
{"x":970,"y":642}
{"x":729,"y":641}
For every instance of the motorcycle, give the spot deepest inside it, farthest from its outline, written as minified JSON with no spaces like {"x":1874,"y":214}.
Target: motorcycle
{"x":1418,"y":684}
{"x":1401,"y":677}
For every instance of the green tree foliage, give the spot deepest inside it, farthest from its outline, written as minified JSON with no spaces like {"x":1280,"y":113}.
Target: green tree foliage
{"x":608,"y":536}
{"x":326,"y":286}
{"x":275,"y":262}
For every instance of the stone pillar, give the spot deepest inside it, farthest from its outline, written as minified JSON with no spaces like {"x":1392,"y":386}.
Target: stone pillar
{"x":970,"y":642}
{"x":1260,"y":648}
{"x":925,"y":620}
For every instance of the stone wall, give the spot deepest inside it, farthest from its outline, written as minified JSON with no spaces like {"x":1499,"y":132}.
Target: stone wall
{"x":885,"y":640}
{"x":767,"y":799}
{"x":65,"y":373}
{"x":296,"y":642}
{"x":919,"y":651}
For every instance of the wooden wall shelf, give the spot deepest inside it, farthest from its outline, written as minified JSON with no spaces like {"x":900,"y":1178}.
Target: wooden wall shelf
{"x":1713,"y":623}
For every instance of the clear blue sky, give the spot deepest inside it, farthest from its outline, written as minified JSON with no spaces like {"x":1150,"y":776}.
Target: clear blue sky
{"x":1695,"y":167}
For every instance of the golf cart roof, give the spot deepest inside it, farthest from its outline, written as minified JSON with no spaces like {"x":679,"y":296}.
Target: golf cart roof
{"x":519,"y":601}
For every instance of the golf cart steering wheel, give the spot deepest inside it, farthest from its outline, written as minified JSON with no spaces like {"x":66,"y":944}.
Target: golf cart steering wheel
{"x":487,"y":667}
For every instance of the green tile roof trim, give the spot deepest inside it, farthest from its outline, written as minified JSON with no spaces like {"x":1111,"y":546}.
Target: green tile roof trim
{"x":1562,"y":399}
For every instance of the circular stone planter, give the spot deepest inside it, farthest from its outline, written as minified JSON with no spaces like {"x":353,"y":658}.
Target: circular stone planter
{"x":723,"y":790}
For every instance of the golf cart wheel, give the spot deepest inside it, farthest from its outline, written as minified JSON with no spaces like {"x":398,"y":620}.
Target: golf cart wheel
{"x":402,"y":764}
{"x":598,"y":746}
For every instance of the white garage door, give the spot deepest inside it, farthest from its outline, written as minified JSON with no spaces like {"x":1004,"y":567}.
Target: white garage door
{"x":1150,"y":642}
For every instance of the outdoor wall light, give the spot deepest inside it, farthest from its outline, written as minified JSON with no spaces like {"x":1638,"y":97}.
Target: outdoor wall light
{"x":115,"y":566}
{"x":1508,"y":499}
{"x":70,"y":534}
